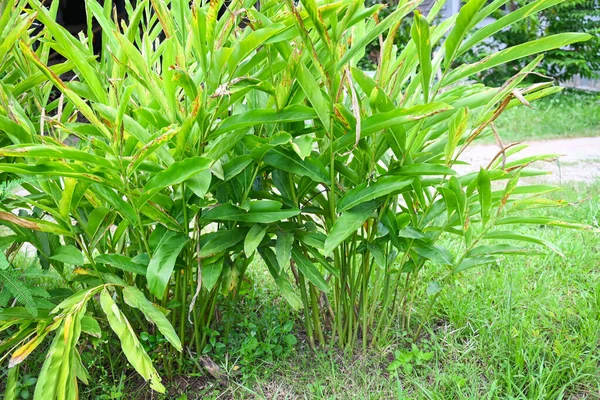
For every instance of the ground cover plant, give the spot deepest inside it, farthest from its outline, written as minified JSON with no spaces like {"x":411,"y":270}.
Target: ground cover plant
{"x":149,"y":177}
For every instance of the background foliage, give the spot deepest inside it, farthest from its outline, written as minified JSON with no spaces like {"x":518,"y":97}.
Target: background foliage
{"x":572,"y":15}
{"x":578,"y":59}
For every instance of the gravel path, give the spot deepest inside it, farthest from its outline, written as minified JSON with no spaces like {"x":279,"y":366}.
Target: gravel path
{"x":579,"y":158}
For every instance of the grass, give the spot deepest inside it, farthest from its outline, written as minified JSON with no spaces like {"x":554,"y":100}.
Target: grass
{"x":519,"y":329}
{"x":564,"y":115}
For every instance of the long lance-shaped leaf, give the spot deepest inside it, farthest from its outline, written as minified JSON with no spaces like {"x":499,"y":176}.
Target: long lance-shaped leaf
{"x":11,"y":391}
{"x":57,"y":168}
{"x":121,"y":262}
{"x":461,"y":27}
{"x":508,"y":235}
{"x":516,"y":52}
{"x":348,"y":223}
{"x":14,"y":34}
{"x":282,"y":283}
{"x":421,"y":36}
{"x":291,"y":162}
{"x":132,"y":348}
{"x":309,"y":270}
{"x":484,"y":190}
{"x":136,"y":299}
{"x":229,"y":212}
{"x":52,"y":151}
{"x":496,"y":26}
{"x":176,"y":173}
{"x":162,"y":262}
{"x":384,"y":25}
{"x":550,"y":221}
{"x":393,"y":120}
{"x":216,"y":242}
{"x":70,"y":94}
{"x":294,"y":113}
{"x":313,"y":93}
{"x":253,"y":238}
{"x":45,"y":387}
{"x":407,"y":62}
{"x":74,"y":51}
{"x":250,"y":43}
{"x":369,"y":191}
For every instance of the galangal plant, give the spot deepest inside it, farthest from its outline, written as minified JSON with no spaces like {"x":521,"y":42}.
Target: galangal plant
{"x":152,"y":175}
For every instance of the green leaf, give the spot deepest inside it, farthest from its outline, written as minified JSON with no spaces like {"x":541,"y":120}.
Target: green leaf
{"x":541,"y":221}
{"x":11,"y":391}
{"x":422,"y":169}
{"x":136,"y":299}
{"x":303,"y":146}
{"x":399,"y":116}
{"x":122,"y":262}
{"x":294,"y":113}
{"x":283,"y":248}
{"x":502,"y":248}
{"x":309,"y":270}
{"x":348,"y":223}
{"x":377,"y":30}
{"x":163,"y":260}
{"x":216,"y":242}
{"x":229,"y":212}
{"x":509,"y":235}
{"x":312,"y":91}
{"x":253,"y":238}
{"x":70,"y":94}
{"x":434,"y":253}
{"x":19,"y":290}
{"x":132,"y":348}
{"x":74,"y":51}
{"x":51,"y":151}
{"x":91,"y":326}
{"x":282,"y":283}
{"x":471,"y":262}
{"x":69,"y":255}
{"x":49,"y":375}
{"x":290,"y":162}
{"x":235,"y":166}
{"x":176,"y":173}
{"x":433,"y":288}
{"x":288,"y":293}
{"x":369,"y":191}
{"x":461,"y":27}
{"x":523,"y":11}
{"x":420,"y":35}
{"x":456,"y":128}
{"x":95,"y":220}
{"x":211,"y":273}
{"x":484,"y":190}
{"x":200,"y":182}
{"x":514,"y":53}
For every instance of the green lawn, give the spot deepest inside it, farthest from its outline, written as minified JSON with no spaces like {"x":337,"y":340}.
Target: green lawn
{"x":563,"y":115}
{"x":520,"y":329}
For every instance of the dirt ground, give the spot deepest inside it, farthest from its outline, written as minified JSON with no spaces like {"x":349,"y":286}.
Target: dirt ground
{"x":579,"y":159}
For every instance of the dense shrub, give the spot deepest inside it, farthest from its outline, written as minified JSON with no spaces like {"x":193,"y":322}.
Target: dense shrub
{"x":153,"y":175}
